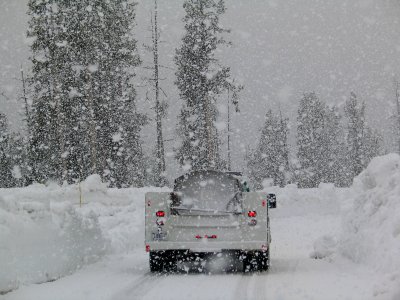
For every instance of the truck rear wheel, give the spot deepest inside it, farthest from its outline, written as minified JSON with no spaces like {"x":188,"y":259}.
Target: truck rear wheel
{"x":156,"y":261}
{"x":264,"y":260}
{"x":163,"y":261}
{"x":256,"y":261}
{"x":170,"y":259}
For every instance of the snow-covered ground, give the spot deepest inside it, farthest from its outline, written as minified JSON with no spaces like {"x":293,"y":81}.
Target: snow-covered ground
{"x":327,"y":243}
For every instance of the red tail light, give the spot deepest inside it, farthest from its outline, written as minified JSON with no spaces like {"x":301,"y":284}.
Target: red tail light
{"x":147,"y":248}
{"x":214,"y":236}
{"x":252,"y":214}
{"x":160,"y":214}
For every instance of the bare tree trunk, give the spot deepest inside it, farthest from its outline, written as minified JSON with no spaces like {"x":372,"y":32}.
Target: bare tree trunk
{"x":210,"y":144}
{"x":27,"y":116}
{"x":160,"y":153}
{"x":397,"y":86}
{"x":229,"y":135}
{"x":92,"y":126}
{"x":60,"y":133}
{"x":59,"y":130}
{"x":285,"y":154}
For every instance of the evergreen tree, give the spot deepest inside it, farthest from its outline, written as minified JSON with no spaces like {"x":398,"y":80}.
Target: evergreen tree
{"x":19,"y":160}
{"x":200,"y":80}
{"x":322,"y":146}
{"x":271,"y":157}
{"x":333,"y":168}
{"x":43,"y":141}
{"x":355,"y":113}
{"x":395,"y":118}
{"x":362,"y":142}
{"x":160,"y":107}
{"x":284,"y":165}
{"x":83,"y":118}
{"x":6,"y":178}
{"x":371,"y":148}
{"x":310,"y":139}
{"x":14,"y":169}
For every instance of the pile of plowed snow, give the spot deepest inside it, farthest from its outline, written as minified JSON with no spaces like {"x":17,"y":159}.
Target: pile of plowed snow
{"x":45,"y":233}
{"x":371,"y":229}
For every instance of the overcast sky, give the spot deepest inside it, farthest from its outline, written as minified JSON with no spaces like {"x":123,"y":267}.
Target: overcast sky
{"x":281,"y":49}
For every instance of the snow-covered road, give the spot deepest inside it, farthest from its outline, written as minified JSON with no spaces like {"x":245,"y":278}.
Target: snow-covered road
{"x":293,"y":274}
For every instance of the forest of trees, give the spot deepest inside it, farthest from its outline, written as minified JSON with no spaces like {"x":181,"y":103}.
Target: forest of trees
{"x":330,"y":148}
{"x":81,"y":116}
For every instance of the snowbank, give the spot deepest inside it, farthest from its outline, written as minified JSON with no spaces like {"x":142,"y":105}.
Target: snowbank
{"x":44,"y":236}
{"x":371,"y":229}
{"x":324,"y":247}
{"x":45,"y":233}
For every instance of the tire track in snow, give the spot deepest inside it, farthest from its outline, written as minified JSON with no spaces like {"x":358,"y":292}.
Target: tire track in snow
{"x":260,"y":286}
{"x":140,"y":287}
{"x":241,"y":291}
{"x":255,"y":288}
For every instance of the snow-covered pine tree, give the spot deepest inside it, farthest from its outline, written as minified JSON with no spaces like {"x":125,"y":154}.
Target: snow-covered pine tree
{"x":371,"y":146}
{"x":285,"y":173}
{"x":355,"y":113}
{"x":270,"y":159}
{"x":310,"y":138}
{"x":44,"y":142}
{"x":396,"y":117}
{"x":134,"y":169}
{"x":322,"y":147}
{"x":200,"y":80}
{"x":19,"y":161}
{"x":82,"y":114}
{"x":335,"y":149}
{"x":332,"y":165}
{"x":157,"y":167}
{"x":116,"y":69}
{"x":363,"y":143}
{"x":341,"y":164}
{"x":6,"y":178}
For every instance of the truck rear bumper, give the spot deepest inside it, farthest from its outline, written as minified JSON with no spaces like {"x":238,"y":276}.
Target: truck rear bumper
{"x":206,"y":246}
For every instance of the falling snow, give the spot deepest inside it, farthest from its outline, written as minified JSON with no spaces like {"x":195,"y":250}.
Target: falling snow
{"x":102,"y":102}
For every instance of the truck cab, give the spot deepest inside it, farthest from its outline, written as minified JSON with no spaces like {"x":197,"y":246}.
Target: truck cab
{"x":208,"y":212}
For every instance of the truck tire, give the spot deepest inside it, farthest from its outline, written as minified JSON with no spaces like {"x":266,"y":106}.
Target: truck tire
{"x":250,"y":262}
{"x":163,"y":261}
{"x":156,"y":261}
{"x":264,"y":260}
{"x":170,"y":260}
{"x":256,"y":261}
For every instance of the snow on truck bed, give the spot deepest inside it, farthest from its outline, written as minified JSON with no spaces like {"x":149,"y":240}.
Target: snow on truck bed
{"x":45,"y":234}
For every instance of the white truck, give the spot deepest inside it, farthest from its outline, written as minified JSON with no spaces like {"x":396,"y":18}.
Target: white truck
{"x":208,"y":213}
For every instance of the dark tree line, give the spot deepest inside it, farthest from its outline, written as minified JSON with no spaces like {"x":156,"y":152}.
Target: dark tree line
{"x":83,"y":118}
{"x":330,"y":148}
{"x":80,"y":106}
